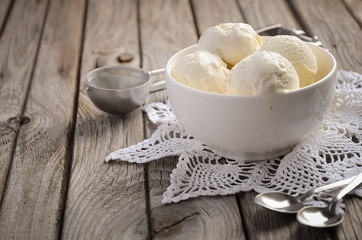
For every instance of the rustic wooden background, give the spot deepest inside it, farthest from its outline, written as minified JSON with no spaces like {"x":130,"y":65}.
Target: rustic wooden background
{"x":53,"y":182}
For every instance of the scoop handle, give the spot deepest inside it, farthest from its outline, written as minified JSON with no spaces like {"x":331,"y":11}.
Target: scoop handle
{"x":158,"y":81}
{"x":326,"y":187}
{"x":344,"y":191}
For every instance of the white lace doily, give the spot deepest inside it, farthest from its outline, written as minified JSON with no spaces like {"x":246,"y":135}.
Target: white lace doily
{"x":331,"y":153}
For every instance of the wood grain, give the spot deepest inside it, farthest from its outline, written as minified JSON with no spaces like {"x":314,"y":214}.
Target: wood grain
{"x":355,"y":8}
{"x":106,"y":201}
{"x":18,"y":48}
{"x":261,"y":13}
{"x":4,"y":11}
{"x":122,"y":200}
{"x":212,"y":13}
{"x":336,"y":28}
{"x":33,"y":201}
{"x":199,"y":218}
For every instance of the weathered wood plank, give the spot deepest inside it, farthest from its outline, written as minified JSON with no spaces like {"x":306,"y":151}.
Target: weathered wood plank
{"x":199,"y":218}
{"x":4,"y":11}
{"x":336,"y":28}
{"x":106,"y":201}
{"x":18,"y":48}
{"x":34,"y":198}
{"x":355,"y":8}
{"x":212,"y":13}
{"x":340,"y":33}
{"x":262,"y":13}
{"x":264,"y":224}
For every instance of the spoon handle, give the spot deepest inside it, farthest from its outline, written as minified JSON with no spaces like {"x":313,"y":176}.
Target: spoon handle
{"x":332,"y":205}
{"x":326,"y":187}
{"x":159,"y":82}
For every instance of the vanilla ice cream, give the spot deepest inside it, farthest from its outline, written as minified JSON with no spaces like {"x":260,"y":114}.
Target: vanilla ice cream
{"x":298,"y":53}
{"x":231,"y":41}
{"x":262,"y":73}
{"x":202,"y":70}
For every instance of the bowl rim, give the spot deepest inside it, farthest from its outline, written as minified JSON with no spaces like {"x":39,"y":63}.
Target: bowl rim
{"x":169,"y":77}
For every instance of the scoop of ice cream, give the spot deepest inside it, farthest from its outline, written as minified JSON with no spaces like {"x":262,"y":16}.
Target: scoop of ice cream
{"x":202,"y":70}
{"x":298,"y":53}
{"x":262,"y":73}
{"x":231,"y":41}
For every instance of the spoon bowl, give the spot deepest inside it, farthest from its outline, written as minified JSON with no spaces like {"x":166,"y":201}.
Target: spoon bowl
{"x":279,"y":201}
{"x":319,"y":217}
{"x":327,"y":216}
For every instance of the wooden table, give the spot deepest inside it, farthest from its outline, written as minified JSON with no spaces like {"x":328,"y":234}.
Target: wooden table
{"x":53,"y":181}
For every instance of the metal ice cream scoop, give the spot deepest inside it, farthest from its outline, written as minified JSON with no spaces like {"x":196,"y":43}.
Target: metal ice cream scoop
{"x":122,"y":89}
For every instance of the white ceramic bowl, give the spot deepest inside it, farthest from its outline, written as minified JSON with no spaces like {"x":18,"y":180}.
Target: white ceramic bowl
{"x":253,"y":127}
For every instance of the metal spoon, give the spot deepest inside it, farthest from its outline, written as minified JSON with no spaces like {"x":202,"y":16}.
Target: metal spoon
{"x":327,"y":216}
{"x":122,"y":89}
{"x":282,"y":202}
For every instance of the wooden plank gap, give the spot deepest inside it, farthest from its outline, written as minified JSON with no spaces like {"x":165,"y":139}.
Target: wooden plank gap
{"x":240,"y":208}
{"x":241,"y":10}
{"x":139,"y":36}
{"x":304,"y":25}
{"x":5,"y":18}
{"x":71,"y":136}
{"x":354,"y":7}
{"x":259,"y":13}
{"x":144,"y":121}
{"x":194,"y":18}
{"x":28,"y":88}
{"x":212,"y":13}
{"x":147,"y":200}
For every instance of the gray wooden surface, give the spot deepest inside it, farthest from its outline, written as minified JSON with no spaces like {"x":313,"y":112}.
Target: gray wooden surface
{"x":53,"y":182}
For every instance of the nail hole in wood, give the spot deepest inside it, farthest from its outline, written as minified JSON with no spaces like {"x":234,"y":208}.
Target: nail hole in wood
{"x":2,"y":74}
{"x":97,"y":63}
{"x":125,"y":57}
{"x":61,"y":70}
